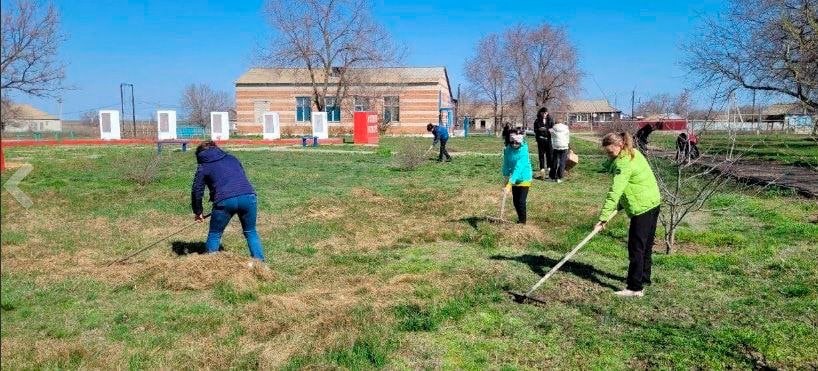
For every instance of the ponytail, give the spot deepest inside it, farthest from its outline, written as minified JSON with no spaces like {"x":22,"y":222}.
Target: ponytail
{"x":627,"y":143}
{"x":622,"y":139}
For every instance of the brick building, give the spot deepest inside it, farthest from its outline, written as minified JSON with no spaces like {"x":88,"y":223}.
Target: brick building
{"x":406,"y":97}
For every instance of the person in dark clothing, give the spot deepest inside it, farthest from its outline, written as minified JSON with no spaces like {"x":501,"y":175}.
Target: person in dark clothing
{"x":641,"y":137}
{"x":440,"y":135}
{"x":506,"y":134}
{"x":230,"y":192}
{"x":545,"y":151}
{"x":686,"y":147}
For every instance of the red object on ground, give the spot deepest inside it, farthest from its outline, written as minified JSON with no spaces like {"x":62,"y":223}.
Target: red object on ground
{"x":365,"y":130}
{"x":2,"y":157}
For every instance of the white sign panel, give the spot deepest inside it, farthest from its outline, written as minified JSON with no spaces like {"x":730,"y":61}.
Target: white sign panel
{"x":219,"y":127}
{"x":166,"y":124}
{"x":272,"y":126}
{"x":109,"y":125}
{"x":320,"y":128}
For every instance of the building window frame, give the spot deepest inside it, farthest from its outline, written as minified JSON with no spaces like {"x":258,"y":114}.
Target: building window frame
{"x":391,"y":108}
{"x":333,"y":109}
{"x":361,"y":103}
{"x":303,"y":109}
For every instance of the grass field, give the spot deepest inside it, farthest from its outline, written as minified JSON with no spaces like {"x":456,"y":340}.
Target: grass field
{"x":372,"y":267}
{"x":790,"y":149}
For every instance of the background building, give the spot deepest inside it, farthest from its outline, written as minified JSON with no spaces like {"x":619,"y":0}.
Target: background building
{"x":23,"y":117}
{"x":406,"y":98}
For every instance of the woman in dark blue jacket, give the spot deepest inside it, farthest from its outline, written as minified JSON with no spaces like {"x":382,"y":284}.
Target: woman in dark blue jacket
{"x":231,"y":194}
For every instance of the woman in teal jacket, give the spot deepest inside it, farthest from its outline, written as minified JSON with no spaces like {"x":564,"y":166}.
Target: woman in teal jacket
{"x":517,"y":173}
{"x":634,"y":189}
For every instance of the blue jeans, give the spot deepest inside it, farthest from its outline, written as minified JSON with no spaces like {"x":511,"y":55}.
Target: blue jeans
{"x":223,"y":211}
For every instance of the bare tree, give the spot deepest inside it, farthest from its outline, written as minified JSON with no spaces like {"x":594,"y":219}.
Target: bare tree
{"x":199,"y":100}
{"x":90,"y":118}
{"x":487,"y":76}
{"x":768,"y":46}
{"x":543,"y":63}
{"x":329,"y":38}
{"x":28,"y":58}
{"x":680,"y":104}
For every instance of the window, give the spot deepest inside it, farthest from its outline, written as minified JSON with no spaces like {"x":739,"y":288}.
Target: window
{"x":391,"y":109}
{"x":482,"y":124}
{"x":361,"y":103}
{"x":303,"y":109}
{"x":259,"y":107}
{"x":333,"y":109}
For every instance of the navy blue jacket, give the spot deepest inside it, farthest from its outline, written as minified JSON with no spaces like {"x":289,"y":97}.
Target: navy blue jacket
{"x":440,"y":133}
{"x":222,"y":174}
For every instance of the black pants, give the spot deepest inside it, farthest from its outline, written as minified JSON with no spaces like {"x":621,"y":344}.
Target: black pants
{"x":443,"y":151}
{"x":519,"y":196}
{"x":558,"y":164}
{"x":544,"y":152}
{"x":640,"y":246}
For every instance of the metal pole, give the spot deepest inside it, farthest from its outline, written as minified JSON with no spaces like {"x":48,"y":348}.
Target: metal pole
{"x":133,"y":112}
{"x":122,"y":97}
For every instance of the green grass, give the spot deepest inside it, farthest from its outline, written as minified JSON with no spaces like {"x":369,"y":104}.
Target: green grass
{"x":379,"y":268}
{"x":790,"y":149}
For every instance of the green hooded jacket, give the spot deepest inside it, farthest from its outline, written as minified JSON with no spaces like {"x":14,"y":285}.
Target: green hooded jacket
{"x":634,"y":186}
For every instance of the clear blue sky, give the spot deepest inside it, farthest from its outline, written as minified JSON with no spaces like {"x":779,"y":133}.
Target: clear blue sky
{"x":160,"y":46}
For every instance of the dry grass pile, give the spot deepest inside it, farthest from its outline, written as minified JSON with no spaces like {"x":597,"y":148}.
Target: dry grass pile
{"x":200,"y":272}
{"x":409,"y":156}
{"x":190,"y":272}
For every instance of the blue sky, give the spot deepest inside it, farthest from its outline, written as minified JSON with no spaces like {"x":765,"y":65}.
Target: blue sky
{"x":160,"y":46}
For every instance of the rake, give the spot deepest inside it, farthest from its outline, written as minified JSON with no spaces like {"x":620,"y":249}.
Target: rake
{"x":502,"y":218}
{"x":156,"y":243}
{"x":522,"y":298}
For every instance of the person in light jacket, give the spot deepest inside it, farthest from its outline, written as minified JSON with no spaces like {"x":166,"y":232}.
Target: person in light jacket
{"x":635,"y":190}
{"x":560,"y":136}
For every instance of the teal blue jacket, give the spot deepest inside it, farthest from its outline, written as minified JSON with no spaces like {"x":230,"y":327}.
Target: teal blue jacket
{"x":517,"y":165}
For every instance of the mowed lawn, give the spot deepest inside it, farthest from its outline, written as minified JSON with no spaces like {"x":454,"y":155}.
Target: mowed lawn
{"x":373,"y":267}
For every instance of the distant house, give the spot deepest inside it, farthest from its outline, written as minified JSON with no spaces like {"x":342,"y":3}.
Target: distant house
{"x":23,"y":117}
{"x":407,"y":97}
{"x":588,"y":111}
{"x":481,"y":116}
{"x":795,"y":116}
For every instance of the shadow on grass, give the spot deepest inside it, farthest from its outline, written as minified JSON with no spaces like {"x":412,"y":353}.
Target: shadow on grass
{"x":185,"y":248}
{"x":537,"y":263}
{"x":474,"y":220}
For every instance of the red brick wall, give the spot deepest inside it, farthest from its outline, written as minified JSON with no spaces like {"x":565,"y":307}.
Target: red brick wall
{"x":418,"y":106}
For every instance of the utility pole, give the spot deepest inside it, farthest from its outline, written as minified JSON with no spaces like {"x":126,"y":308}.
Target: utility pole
{"x":133,"y":106}
{"x":633,"y":97}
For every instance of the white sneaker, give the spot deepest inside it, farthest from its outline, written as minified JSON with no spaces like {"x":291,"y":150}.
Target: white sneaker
{"x":630,"y":293}
{"x":559,"y":180}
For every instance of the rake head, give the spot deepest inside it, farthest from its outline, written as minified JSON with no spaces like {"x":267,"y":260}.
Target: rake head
{"x":521,"y":298}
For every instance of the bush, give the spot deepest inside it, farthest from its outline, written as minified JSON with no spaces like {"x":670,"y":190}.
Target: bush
{"x":142,"y":171}
{"x":409,"y":156}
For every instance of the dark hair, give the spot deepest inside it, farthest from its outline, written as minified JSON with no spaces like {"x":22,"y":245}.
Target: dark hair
{"x":206,"y":145}
{"x":429,"y":127}
{"x":541,"y":112}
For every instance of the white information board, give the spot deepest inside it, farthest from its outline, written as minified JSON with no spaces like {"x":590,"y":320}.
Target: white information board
{"x":109,"y":126}
{"x":166,"y":125}
{"x":272,"y":126}
{"x":320,"y":128}
{"x":219,"y":127}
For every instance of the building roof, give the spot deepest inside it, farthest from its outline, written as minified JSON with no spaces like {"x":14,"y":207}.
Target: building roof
{"x":394,"y":75}
{"x":27,"y":112}
{"x":589,"y":106}
{"x":663,"y":116}
{"x":780,"y":109}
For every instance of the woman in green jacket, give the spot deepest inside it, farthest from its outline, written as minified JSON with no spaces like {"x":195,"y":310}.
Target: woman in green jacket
{"x":517,"y":173}
{"x":634,"y":189}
